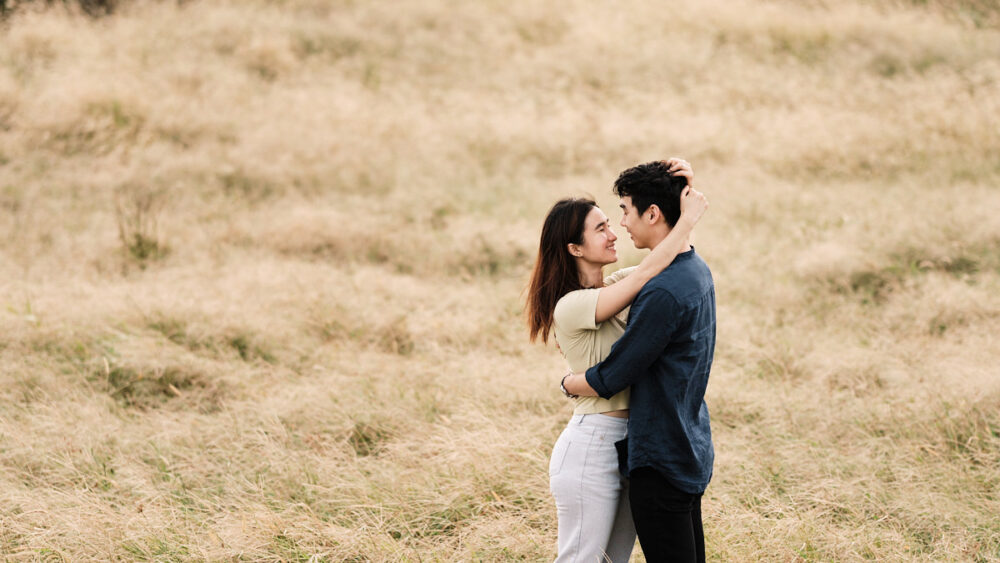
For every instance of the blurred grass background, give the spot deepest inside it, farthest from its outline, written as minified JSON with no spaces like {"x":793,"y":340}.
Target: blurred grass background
{"x":262,"y":263}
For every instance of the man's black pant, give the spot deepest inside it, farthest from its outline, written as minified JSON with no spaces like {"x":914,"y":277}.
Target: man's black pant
{"x":667,"y":520}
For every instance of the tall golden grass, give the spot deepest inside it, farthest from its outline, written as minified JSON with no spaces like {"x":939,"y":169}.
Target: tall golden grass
{"x":261,"y":269}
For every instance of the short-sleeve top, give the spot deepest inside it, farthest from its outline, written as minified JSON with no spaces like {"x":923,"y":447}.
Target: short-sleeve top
{"x":585,"y":342}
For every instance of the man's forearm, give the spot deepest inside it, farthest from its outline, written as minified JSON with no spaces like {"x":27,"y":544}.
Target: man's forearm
{"x":576,"y":384}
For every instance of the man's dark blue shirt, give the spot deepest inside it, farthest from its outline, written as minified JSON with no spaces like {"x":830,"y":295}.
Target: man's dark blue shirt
{"x":666,"y":355}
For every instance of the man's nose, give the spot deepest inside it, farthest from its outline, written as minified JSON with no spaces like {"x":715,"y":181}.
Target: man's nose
{"x":611,"y":235}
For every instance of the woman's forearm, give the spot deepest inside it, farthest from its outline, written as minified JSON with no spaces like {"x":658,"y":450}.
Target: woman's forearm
{"x":664,"y":253}
{"x":617,"y":296}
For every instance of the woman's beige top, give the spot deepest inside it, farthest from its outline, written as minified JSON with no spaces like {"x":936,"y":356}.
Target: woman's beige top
{"x":585,"y":342}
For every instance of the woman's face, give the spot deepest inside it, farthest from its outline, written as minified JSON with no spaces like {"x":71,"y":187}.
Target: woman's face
{"x":598,"y":240}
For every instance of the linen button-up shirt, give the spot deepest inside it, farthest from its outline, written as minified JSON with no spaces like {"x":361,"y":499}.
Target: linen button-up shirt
{"x":666,"y":355}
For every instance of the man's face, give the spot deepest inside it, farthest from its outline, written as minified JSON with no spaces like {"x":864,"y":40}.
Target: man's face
{"x":633,"y":222}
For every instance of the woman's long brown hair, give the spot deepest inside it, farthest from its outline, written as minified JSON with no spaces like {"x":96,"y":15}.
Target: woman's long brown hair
{"x":555,"y":272}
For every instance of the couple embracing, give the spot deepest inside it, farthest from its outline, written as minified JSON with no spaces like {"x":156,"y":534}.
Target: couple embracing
{"x":637,"y":454}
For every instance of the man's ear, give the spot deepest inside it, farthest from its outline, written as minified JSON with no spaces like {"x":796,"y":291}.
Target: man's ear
{"x":654,"y":213}
{"x":574,"y":250}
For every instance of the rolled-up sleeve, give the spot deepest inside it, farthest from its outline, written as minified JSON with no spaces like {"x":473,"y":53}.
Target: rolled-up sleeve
{"x":576,"y":311}
{"x":654,"y":318}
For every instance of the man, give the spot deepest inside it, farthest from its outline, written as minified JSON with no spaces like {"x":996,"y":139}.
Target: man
{"x":665,"y":355}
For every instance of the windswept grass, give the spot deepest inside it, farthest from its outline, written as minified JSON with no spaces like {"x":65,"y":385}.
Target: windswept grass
{"x":263,"y":269}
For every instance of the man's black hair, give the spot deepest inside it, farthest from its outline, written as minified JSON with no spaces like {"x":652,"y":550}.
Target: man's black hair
{"x":651,"y":183}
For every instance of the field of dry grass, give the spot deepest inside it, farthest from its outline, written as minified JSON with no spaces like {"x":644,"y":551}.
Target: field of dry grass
{"x":262,"y":263}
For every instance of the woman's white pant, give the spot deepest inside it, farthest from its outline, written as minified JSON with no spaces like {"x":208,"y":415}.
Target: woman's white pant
{"x":595,"y":523}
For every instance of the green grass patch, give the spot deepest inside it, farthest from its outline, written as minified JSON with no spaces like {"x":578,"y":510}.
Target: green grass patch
{"x":244,"y":343}
{"x":290,"y":550}
{"x":157,"y":548}
{"x":325,"y":45}
{"x":367,"y":438}
{"x":147,"y":387}
{"x":874,"y":286}
{"x":245,"y":186}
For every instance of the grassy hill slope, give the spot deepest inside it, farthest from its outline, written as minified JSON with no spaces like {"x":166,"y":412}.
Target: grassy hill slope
{"x":261,"y":271}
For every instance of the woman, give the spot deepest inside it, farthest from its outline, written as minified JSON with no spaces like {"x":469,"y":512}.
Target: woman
{"x":569,"y":297}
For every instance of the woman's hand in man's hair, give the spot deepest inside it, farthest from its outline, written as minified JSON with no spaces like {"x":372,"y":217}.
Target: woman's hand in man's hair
{"x":680,"y":167}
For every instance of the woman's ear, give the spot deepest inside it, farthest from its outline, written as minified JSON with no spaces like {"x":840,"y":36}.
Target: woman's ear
{"x":574,"y":250}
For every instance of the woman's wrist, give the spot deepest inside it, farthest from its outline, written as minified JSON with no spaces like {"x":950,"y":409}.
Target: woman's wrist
{"x":689,"y":220}
{"x":562,"y":385}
